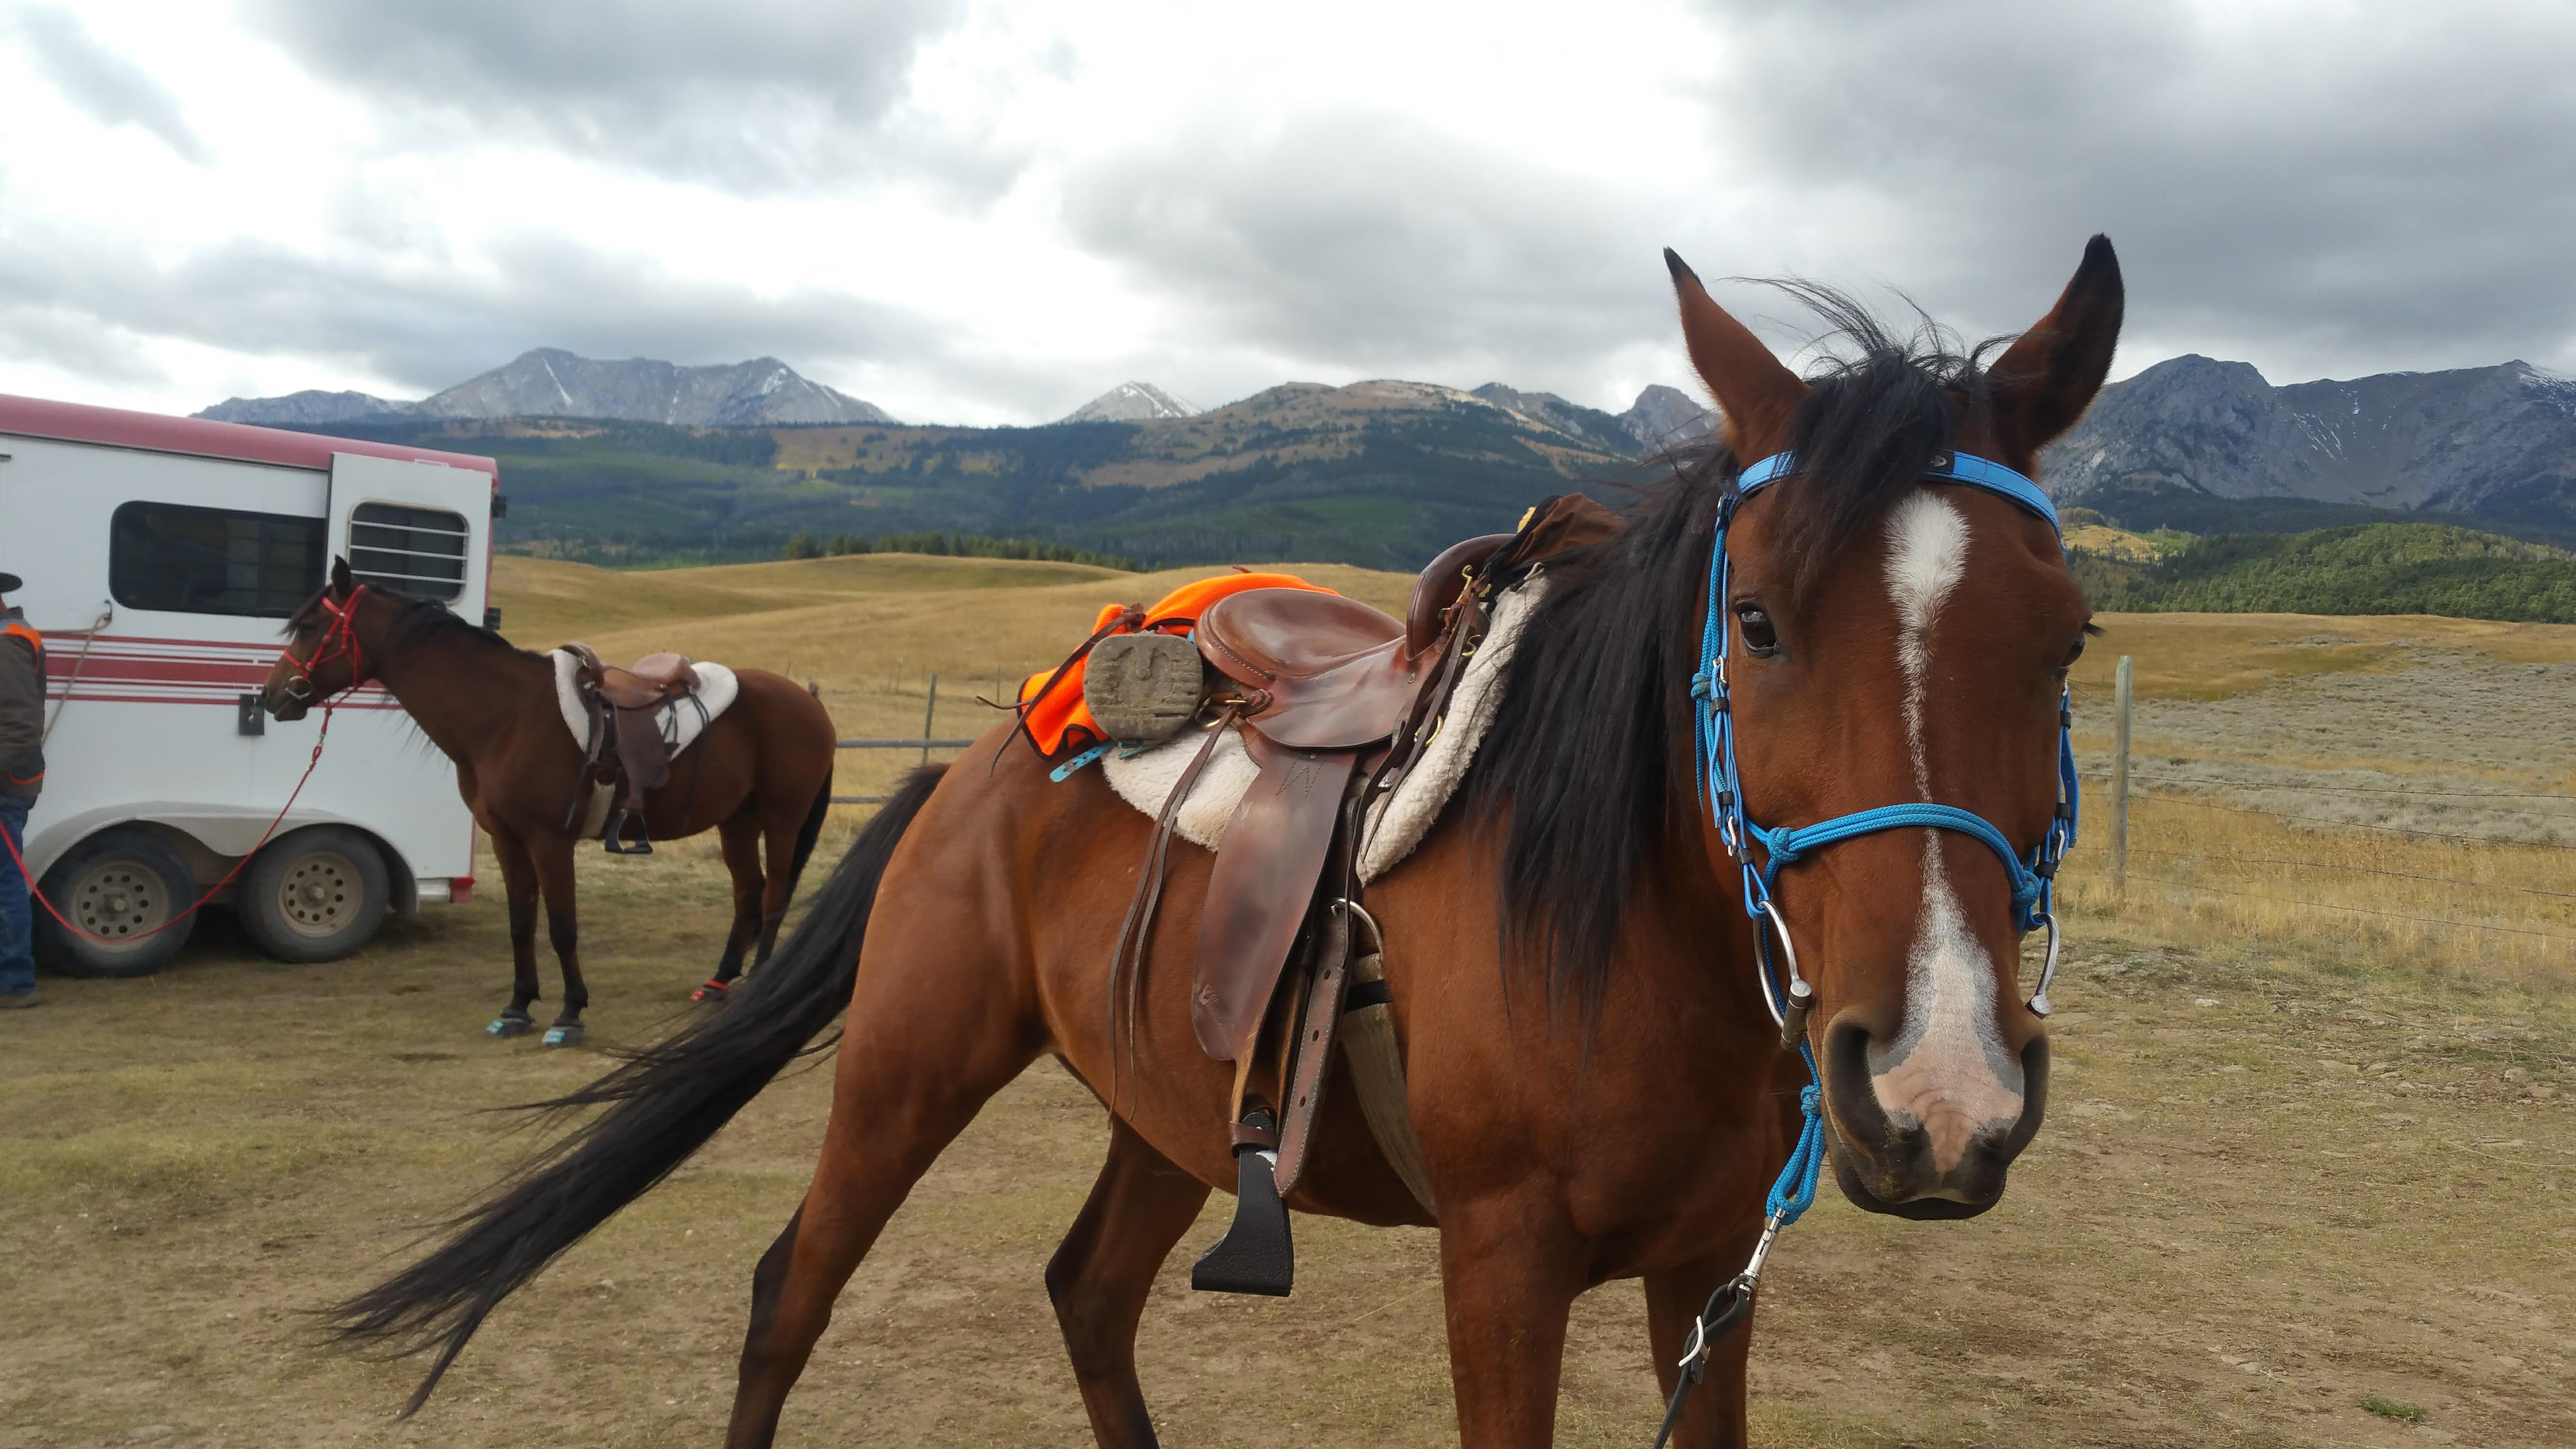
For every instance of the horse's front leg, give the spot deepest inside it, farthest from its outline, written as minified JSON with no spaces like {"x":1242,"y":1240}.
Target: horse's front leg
{"x":563,"y":930}
{"x":1510,"y":1269}
{"x":519,"y":884}
{"x":1713,"y":1417}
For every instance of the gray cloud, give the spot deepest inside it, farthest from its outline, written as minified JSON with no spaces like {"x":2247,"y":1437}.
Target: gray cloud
{"x":108,"y":87}
{"x":750,"y":96}
{"x":1373,"y":241}
{"x":2371,"y":189}
{"x":425,"y":332}
{"x":2380,"y":187}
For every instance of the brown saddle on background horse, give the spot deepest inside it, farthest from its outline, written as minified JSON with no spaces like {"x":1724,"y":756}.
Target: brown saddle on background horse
{"x":1334,"y":700}
{"x":626,"y":751}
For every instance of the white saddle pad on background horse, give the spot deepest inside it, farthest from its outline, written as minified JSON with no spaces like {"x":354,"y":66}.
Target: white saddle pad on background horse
{"x":1396,"y":824}
{"x":681,"y":721}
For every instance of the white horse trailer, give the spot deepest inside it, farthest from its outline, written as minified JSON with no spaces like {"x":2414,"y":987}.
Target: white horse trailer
{"x":161,"y":558}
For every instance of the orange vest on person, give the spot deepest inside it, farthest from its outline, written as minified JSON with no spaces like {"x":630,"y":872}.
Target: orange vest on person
{"x":1057,"y":718}
{"x":20,"y":629}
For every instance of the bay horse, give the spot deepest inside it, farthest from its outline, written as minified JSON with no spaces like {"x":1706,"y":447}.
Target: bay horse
{"x":1598,"y":1089}
{"x":760,"y":775}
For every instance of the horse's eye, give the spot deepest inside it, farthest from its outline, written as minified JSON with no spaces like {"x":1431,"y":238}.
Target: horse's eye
{"x":1755,"y":623}
{"x":2071,"y":656}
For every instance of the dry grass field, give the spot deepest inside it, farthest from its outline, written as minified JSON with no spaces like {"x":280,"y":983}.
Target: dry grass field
{"x":2308,"y":1179}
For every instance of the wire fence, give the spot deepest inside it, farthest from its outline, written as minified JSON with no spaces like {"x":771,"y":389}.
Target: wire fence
{"x":2457,"y":875}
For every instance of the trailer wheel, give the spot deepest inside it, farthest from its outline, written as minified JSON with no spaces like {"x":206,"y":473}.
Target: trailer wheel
{"x":316,"y":895}
{"x":117,"y":884}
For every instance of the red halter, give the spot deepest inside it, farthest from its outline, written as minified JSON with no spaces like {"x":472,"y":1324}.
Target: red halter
{"x":338,"y":641}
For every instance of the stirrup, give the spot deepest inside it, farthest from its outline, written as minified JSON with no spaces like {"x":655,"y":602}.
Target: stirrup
{"x":614,"y":839}
{"x":1255,"y":1255}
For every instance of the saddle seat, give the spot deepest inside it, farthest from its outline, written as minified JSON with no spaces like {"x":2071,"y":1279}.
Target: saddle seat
{"x":653,"y":680}
{"x":1321,"y":672}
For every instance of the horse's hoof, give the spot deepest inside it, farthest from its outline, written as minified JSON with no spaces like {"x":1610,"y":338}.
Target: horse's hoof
{"x":712,"y":993}
{"x":564,"y":1034}
{"x":507,"y":1025}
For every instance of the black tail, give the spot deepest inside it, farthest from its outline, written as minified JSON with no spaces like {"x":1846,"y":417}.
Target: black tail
{"x":663,"y":1104}
{"x":809,"y":832}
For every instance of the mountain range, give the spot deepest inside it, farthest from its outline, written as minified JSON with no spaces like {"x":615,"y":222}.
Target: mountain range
{"x":550,"y":382}
{"x":643,"y":460}
{"x":2492,"y":443}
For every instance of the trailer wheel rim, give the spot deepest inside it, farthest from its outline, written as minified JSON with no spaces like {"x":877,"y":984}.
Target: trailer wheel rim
{"x":116,"y":903}
{"x":320,"y":894}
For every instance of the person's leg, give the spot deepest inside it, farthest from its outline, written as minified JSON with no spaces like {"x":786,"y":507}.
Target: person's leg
{"x":17,"y":967}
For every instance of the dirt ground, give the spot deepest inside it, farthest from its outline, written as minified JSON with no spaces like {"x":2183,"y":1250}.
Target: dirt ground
{"x":2288,"y":1194}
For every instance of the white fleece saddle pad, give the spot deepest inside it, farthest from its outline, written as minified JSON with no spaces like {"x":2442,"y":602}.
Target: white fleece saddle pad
{"x":1397,"y":823}
{"x":681,"y":721}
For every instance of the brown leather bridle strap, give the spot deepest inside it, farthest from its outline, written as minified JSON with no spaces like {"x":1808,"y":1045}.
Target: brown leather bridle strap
{"x":1138,"y":927}
{"x":1131,"y":617}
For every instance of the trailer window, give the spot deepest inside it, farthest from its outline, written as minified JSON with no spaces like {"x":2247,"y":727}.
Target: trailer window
{"x":416,"y":550}
{"x":212,"y":560}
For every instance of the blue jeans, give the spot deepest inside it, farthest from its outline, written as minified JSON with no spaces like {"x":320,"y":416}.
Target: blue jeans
{"x":17,"y":967}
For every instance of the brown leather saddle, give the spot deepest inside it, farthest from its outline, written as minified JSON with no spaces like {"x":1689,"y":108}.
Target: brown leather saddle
{"x":1334,"y":701}
{"x":626,"y":753}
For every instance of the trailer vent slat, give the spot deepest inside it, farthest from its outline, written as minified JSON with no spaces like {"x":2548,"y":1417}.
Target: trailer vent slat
{"x":416,"y":550}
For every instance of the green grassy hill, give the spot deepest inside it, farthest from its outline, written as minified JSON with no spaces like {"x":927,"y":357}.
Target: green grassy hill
{"x":2375,"y":568}
{"x":1376,"y":474}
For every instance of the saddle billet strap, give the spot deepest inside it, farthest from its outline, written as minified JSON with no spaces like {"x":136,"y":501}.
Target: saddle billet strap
{"x":1328,"y":979}
{"x":1135,"y":930}
{"x":1463,"y":630}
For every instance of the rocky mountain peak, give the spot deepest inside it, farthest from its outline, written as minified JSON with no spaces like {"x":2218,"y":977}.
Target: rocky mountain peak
{"x":1133,"y":402}
{"x":551,"y":382}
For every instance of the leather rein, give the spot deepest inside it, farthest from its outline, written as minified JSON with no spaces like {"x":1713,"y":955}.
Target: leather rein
{"x":1785,"y":992}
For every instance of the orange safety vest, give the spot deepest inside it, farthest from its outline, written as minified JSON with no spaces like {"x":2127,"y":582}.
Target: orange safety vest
{"x":1058,"y":719}
{"x":18,"y":629}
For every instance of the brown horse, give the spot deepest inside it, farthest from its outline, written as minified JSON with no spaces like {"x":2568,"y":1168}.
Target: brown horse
{"x":1598,"y":1089}
{"x":760,"y":774}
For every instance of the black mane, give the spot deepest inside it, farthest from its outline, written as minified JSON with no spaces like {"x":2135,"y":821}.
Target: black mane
{"x":419,"y":620}
{"x":1586,"y":766}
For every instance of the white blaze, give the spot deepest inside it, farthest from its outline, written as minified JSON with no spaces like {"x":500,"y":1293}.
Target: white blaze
{"x":1927,"y":553}
{"x":1944,"y":1075}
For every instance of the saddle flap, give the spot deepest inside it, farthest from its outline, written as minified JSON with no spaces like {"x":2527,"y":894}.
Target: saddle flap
{"x":1260,"y":890}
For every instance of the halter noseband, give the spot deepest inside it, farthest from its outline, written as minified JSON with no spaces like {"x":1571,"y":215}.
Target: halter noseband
{"x":339,"y":639}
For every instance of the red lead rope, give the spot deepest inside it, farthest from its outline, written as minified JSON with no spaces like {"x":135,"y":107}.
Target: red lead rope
{"x":341,"y":629}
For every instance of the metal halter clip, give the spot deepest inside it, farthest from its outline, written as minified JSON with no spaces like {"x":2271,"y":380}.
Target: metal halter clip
{"x":1790,"y":1013}
{"x":2048,"y":968}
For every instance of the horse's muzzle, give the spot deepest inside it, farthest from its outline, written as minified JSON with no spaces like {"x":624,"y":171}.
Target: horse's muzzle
{"x":1946,"y":1158}
{"x":285,"y":704}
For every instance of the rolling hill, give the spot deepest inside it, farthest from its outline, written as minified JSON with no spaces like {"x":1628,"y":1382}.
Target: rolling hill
{"x":2374,"y":568}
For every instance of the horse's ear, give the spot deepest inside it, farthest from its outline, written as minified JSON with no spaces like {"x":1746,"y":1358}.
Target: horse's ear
{"x":1758,"y":396}
{"x":2045,"y":381}
{"x":341,"y":583}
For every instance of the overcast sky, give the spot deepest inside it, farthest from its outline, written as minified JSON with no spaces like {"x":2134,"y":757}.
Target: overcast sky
{"x":989,"y":212}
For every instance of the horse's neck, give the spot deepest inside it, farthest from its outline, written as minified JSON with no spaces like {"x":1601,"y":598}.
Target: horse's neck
{"x":463,"y":692}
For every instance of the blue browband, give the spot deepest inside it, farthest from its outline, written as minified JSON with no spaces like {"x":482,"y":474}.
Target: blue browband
{"x":1965,"y":468}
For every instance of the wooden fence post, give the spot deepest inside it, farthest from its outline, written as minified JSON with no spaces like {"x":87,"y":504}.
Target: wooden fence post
{"x":931,"y":710}
{"x":2120,"y":777}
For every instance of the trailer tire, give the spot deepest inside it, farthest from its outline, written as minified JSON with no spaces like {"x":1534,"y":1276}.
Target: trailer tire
{"x":316,"y":895}
{"x":119,"y":881}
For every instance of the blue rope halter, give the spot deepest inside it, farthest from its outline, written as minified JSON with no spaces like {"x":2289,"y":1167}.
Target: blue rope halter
{"x":1784,"y":991}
